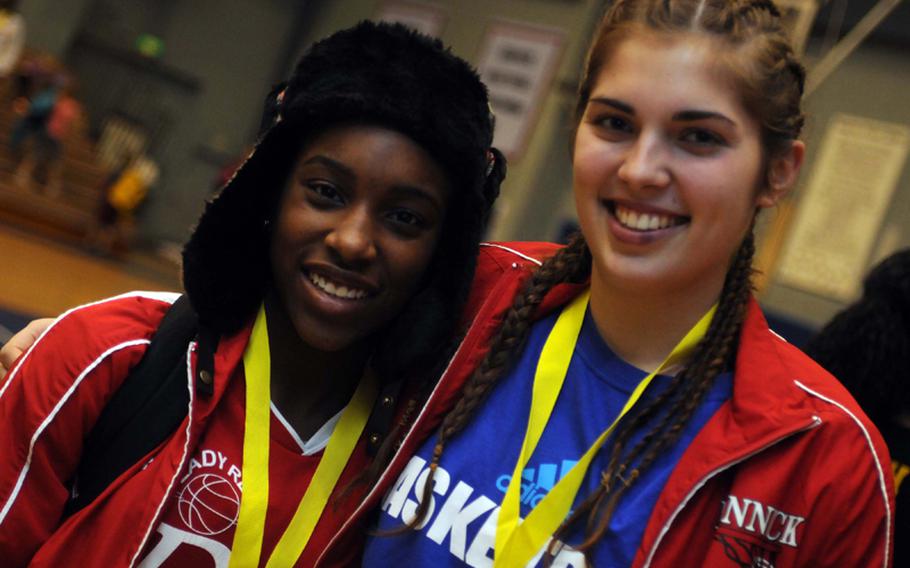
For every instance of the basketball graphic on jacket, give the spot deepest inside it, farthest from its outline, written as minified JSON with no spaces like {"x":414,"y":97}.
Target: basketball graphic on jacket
{"x":209,"y":504}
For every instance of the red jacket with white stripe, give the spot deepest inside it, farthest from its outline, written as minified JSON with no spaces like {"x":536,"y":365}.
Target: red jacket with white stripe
{"x":53,"y":396}
{"x":789,"y":472}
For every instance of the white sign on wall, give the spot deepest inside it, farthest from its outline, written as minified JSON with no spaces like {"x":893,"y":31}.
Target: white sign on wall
{"x":517,"y":62}
{"x":424,"y":18}
{"x":858,"y":166}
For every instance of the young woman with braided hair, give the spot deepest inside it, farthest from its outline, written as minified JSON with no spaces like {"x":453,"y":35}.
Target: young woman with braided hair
{"x":631,"y":407}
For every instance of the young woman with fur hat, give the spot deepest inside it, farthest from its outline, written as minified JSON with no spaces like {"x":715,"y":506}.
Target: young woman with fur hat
{"x":327,"y":277}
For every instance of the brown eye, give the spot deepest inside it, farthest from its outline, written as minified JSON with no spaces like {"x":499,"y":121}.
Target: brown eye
{"x":703,"y":137}
{"x":405,"y":217}
{"x":324,"y":193}
{"x":616,"y":123}
{"x":405,"y":222}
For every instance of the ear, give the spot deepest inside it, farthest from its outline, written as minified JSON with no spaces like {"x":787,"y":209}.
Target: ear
{"x":783,"y":171}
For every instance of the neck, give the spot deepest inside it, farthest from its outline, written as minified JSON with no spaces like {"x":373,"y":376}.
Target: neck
{"x":309,"y":386}
{"x":642,"y":328}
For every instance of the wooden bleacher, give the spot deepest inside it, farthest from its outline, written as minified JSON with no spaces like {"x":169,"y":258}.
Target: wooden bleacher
{"x":68,"y":215}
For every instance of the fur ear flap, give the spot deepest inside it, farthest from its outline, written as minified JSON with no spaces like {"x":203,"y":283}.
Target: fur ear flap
{"x":416,"y":338}
{"x":495,"y":175}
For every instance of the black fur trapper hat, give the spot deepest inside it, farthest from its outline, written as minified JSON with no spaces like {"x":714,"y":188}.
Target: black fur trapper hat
{"x":380,"y":74}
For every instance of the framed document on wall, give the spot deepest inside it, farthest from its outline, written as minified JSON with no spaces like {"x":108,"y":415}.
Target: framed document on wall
{"x":842,"y":210}
{"x":517,"y":62}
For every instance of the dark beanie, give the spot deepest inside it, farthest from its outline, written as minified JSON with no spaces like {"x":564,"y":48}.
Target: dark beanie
{"x":373,"y":73}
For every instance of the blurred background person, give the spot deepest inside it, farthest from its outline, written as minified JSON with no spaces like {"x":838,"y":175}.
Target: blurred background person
{"x":867,"y":347}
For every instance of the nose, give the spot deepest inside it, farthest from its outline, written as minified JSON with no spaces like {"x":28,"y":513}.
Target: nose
{"x":352,"y":238}
{"x":644,"y":165}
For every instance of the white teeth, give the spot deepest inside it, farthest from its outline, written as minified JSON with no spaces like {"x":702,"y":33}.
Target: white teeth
{"x":338,"y":290}
{"x":641,"y":221}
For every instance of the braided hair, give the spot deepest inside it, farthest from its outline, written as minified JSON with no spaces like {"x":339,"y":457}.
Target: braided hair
{"x":769,"y":79}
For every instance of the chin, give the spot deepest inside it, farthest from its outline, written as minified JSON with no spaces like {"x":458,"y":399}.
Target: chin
{"x":335,"y":345}
{"x":321,"y":339}
{"x":636,"y":274}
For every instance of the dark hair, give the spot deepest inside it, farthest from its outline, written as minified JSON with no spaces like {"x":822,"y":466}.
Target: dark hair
{"x":766,"y":66}
{"x":867,"y":345}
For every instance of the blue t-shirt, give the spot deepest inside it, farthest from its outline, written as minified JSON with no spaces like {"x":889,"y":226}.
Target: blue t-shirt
{"x":477,"y":464}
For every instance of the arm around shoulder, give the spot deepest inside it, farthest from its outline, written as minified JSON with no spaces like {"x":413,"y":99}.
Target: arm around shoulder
{"x":50,"y":402}
{"x":20,"y":342}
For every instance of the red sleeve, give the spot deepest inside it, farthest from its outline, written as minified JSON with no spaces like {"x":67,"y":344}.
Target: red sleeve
{"x":49,"y":404}
{"x":854,"y":510}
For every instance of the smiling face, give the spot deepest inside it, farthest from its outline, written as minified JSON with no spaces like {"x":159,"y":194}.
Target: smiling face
{"x":357,"y":226}
{"x":668,"y":168}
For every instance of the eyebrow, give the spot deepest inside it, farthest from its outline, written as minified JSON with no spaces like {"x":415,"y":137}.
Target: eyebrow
{"x":618,"y":105}
{"x":693,"y":115}
{"x":331,"y":164}
{"x":683,"y":116}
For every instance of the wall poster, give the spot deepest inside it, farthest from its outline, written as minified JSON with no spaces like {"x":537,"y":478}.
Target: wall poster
{"x":425,"y":18}
{"x":518,"y":62}
{"x":839,"y":216}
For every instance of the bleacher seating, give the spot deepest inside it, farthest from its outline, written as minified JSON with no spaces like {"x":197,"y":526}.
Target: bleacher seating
{"x":69,"y":214}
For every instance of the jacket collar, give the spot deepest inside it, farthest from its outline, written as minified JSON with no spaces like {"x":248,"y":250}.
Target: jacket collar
{"x":228,"y":360}
{"x":765,"y":396}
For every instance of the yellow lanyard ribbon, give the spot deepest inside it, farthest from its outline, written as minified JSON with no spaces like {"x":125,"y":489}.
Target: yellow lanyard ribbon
{"x":247,"y":546}
{"x":518,"y":542}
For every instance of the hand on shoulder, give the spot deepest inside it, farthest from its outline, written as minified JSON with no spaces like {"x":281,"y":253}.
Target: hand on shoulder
{"x":19,"y":342}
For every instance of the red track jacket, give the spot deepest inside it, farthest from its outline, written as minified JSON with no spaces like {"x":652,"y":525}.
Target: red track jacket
{"x":789,"y":472}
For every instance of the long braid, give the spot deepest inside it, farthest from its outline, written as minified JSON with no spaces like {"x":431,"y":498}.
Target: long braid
{"x":714,"y":355}
{"x":718,"y":352}
{"x":571,"y":264}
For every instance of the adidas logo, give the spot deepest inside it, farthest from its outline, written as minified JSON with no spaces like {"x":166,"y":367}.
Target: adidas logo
{"x":536,"y":483}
